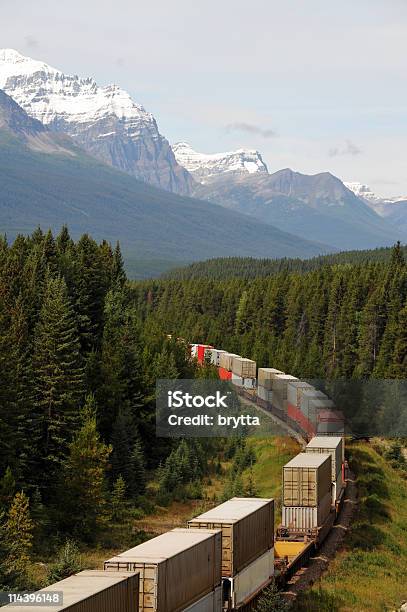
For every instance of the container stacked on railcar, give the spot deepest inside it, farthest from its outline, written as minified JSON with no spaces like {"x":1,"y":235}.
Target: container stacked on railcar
{"x":90,"y":591}
{"x":177,"y":570}
{"x":334,"y":446}
{"x":307,"y":496}
{"x":244,"y":373}
{"x":247,"y":526}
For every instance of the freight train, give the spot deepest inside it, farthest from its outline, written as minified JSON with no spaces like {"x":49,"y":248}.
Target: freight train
{"x":225,"y":558}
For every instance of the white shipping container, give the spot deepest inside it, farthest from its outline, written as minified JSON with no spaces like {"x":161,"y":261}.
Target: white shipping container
{"x":250,"y":580}
{"x":237,"y":380}
{"x":212,"y":602}
{"x":306,"y":517}
{"x":294,"y":391}
{"x":264,"y":394}
{"x":337,"y":487}
{"x":215,"y":356}
{"x":247,"y":383}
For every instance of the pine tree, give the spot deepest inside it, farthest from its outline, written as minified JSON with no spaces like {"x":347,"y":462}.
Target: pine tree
{"x":68,"y":562}
{"x":117,"y":500}
{"x":118,"y":272}
{"x":59,"y":375}
{"x":18,"y":534}
{"x":251,"y":489}
{"x":84,"y":477}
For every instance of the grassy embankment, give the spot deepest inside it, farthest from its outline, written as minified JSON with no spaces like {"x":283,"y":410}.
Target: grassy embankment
{"x":370,"y":573}
{"x":271,"y":455}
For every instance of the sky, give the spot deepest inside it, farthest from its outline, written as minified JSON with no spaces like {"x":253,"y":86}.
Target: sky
{"x":315,"y":86}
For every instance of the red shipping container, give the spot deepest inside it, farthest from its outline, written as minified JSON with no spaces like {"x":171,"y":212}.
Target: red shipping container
{"x":224,"y":374}
{"x":299,"y":417}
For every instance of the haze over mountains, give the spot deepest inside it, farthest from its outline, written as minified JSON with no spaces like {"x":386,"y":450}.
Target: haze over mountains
{"x":78,"y":153}
{"x":47,"y":181}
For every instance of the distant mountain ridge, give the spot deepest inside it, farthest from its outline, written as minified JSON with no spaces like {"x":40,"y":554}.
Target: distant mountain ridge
{"x":317,"y":207}
{"x":104,"y":121}
{"x":47,"y":181}
{"x":393,"y":209}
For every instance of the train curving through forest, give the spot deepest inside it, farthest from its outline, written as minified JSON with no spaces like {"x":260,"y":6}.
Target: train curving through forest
{"x":224,"y":559}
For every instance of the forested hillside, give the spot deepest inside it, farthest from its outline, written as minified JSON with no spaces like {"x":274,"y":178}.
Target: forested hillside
{"x":77,"y":381}
{"x":334,"y":321}
{"x":250,"y":267}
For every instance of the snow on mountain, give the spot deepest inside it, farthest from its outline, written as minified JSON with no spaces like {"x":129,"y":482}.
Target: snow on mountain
{"x":105,"y":121}
{"x":385,"y":207}
{"x":204,"y":167}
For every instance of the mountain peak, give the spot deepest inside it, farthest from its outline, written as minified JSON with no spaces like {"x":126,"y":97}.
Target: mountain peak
{"x":206,"y":166}
{"x":103,"y":120}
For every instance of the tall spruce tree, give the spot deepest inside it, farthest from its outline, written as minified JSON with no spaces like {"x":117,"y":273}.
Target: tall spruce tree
{"x":83,"y":485}
{"x":59,"y":376}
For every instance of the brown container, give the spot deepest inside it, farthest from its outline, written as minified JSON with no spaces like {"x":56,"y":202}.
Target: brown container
{"x":226,"y":360}
{"x":245,"y":368}
{"x":247,"y":525}
{"x":266,"y":375}
{"x":306,"y":479}
{"x":92,"y":591}
{"x":328,"y":444}
{"x":176,"y":568}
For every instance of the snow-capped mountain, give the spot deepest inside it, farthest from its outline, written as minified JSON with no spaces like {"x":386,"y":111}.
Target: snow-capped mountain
{"x":365,"y":192}
{"x":104,"y":121}
{"x":395,"y":209}
{"x":205,"y":167}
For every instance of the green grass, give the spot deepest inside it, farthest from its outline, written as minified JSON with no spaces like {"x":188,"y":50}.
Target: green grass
{"x":370,"y":573}
{"x":271,"y":455}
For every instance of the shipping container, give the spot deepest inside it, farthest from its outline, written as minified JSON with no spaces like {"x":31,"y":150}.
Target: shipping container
{"x":247,"y":583}
{"x":306,"y":517}
{"x":312,"y":402}
{"x":226,"y":360}
{"x":246,"y":368}
{"x":337,"y":486}
{"x":176,"y":568}
{"x":215,"y":356}
{"x":246,"y":383}
{"x":306,"y":479}
{"x":328,"y":444}
{"x":224,"y":374}
{"x":296,"y":415}
{"x":264,"y":394}
{"x":266,"y":375}
{"x":201,"y":351}
{"x":332,"y":423}
{"x":279,"y":385}
{"x":212,"y":602}
{"x":247,"y":525}
{"x":294,"y":391}
{"x":91,"y":591}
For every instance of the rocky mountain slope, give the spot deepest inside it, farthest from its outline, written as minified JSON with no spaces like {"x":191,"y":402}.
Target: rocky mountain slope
{"x":104,"y":121}
{"x":317,"y":207}
{"x":57,"y":184}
